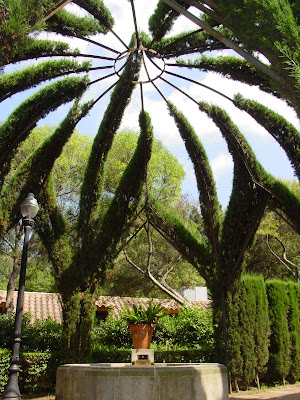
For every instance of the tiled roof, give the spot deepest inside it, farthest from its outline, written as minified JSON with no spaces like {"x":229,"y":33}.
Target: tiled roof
{"x":2,"y":298}
{"x":48,"y":305}
{"x":116,"y":304}
{"x":40,"y":305}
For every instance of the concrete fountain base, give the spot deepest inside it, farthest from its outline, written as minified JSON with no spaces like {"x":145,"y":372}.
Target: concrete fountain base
{"x":127,"y":382}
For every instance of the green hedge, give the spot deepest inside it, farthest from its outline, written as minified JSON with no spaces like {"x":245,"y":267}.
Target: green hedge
{"x":43,"y":335}
{"x":38,"y":371}
{"x":106,"y":354}
{"x":192,"y":328}
{"x":4,"y":365}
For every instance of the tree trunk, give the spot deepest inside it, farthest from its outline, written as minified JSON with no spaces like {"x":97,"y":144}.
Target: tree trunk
{"x":223,"y":295}
{"x":78,"y":312}
{"x":257,"y":381}
{"x":224,"y":325}
{"x":12,"y":280}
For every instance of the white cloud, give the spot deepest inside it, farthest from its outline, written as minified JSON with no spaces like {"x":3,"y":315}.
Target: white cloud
{"x":221,"y":165}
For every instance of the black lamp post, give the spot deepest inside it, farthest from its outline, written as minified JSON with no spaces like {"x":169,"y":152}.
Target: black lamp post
{"x":29,"y":209}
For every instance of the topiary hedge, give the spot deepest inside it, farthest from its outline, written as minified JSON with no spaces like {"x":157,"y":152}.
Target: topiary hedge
{"x":38,"y":371}
{"x":264,"y":331}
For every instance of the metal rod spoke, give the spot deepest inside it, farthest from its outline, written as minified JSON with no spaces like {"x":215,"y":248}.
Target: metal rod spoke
{"x":101,"y":79}
{"x":88,"y":56}
{"x":160,"y":93}
{"x":104,"y":93}
{"x":192,"y":81}
{"x":142,"y":96}
{"x":58,"y":6}
{"x":135,"y":24}
{"x":123,"y":66}
{"x":200,"y":84}
{"x":180,"y":90}
{"x":114,"y":33}
{"x":98,"y":44}
{"x":104,"y":67}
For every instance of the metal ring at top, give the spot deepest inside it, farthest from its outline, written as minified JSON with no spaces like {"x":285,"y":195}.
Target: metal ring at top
{"x":135,"y":49}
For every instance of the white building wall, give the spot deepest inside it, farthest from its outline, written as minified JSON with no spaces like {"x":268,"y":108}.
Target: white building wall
{"x":197,"y":293}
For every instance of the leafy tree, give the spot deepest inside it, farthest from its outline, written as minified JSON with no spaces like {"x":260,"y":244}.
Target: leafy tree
{"x":165,"y":173}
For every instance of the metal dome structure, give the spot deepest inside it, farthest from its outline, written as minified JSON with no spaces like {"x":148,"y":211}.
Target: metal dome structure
{"x":85,"y":79}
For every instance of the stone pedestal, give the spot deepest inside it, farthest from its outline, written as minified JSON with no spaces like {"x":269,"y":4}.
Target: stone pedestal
{"x":128,"y":382}
{"x":142,"y":357}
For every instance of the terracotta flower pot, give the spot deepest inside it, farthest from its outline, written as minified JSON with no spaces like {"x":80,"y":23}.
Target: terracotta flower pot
{"x":141,"y":335}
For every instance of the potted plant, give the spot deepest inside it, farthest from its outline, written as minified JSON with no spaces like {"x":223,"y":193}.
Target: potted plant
{"x":141,"y":323}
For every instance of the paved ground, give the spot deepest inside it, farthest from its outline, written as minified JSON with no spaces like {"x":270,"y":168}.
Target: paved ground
{"x":38,"y":397}
{"x":288,"y":392}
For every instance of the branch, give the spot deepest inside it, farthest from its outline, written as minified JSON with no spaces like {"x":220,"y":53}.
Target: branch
{"x":169,"y":287}
{"x":285,"y":220}
{"x":295,"y":274}
{"x":170,"y":292}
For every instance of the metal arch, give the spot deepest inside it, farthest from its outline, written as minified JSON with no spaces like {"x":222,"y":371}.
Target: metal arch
{"x":148,"y":52}
{"x":138,"y":46}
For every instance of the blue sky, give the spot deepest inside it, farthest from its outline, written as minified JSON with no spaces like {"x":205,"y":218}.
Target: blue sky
{"x":265,"y":147}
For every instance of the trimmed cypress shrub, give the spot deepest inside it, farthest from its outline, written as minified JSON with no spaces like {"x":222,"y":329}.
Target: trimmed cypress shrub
{"x":248,"y":325}
{"x":280,"y":342}
{"x":262,"y":327}
{"x":249,"y":330}
{"x":294,"y":329}
{"x":234,"y":338}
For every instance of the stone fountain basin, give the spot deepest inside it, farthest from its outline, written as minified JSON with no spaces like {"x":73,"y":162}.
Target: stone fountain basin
{"x":127,"y":382}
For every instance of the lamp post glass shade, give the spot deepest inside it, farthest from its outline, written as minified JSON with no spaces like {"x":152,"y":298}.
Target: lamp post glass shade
{"x":29,"y":207}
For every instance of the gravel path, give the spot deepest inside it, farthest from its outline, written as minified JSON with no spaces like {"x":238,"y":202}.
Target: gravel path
{"x":288,"y":392}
